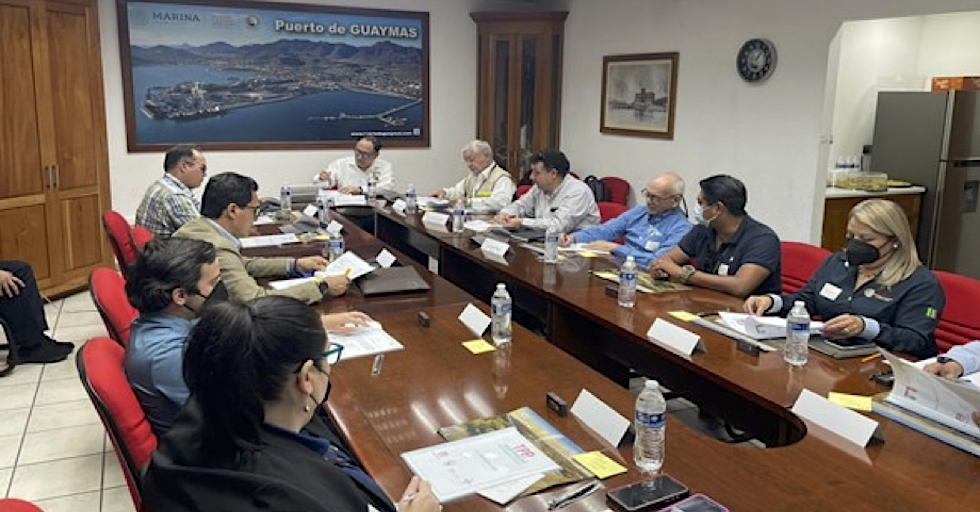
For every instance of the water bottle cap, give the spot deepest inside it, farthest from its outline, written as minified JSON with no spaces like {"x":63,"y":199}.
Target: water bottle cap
{"x":630,"y":259}
{"x":501,"y":286}
{"x":651,"y":384}
{"x":799,"y":303}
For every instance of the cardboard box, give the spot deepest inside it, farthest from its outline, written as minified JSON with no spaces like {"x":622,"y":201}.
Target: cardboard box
{"x":956,"y":83}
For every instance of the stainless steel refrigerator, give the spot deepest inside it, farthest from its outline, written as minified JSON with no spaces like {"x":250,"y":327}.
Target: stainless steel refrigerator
{"x":933,"y":139}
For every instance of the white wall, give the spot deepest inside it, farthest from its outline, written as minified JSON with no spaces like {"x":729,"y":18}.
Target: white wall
{"x":452,"y":93}
{"x":767,"y":134}
{"x":897,"y":54}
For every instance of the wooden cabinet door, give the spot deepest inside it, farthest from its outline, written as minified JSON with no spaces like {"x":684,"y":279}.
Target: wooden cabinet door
{"x":24,"y":180}
{"x":77,"y":132}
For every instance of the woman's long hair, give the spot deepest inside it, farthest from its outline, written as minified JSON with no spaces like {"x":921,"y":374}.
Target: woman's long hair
{"x":240,"y":356}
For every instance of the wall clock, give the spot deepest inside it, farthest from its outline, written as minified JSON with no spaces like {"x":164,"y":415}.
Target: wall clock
{"x":756,"y":60}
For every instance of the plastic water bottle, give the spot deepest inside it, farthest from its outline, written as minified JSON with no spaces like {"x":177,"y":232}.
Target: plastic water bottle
{"x":651,"y":429}
{"x":321,"y":211}
{"x":551,"y":245}
{"x":285,"y":201}
{"x":500,"y":308}
{"x":335,"y":247}
{"x":627,"y":283}
{"x":372,"y":187}
{"x":797,"y":335}
{"x":459,"y":214}
{"x":411,"y":200}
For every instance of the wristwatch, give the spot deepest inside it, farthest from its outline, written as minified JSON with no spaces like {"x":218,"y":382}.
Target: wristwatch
{"x":686,"y":272}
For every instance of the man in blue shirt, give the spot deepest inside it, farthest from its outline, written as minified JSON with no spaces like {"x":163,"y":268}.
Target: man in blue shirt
{"x":169,"y":284}
{"x":649,"y":230}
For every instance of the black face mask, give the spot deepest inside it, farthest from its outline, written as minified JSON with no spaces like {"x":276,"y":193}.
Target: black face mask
{"x":218,"y":294}
{"x":860,"y":252}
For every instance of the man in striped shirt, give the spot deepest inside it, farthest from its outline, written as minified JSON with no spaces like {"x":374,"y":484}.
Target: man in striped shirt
{"x":169,"y":203}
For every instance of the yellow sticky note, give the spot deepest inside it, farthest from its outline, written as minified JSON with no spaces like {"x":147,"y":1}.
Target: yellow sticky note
{"x":606,"y":275}
{"x":599,"y":464}
{"x":683,"y":315}
{"x":478,"y":346}
{"x":856,"y":402}
{"x":588,"y":254}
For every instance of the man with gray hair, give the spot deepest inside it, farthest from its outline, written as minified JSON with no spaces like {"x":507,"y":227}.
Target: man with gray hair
{"x":169,"y":203}
{"x":489,"y":187}
{"x":648,"y":230}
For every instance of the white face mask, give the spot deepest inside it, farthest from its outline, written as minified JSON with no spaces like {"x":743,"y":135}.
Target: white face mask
{"x":698,"y":212}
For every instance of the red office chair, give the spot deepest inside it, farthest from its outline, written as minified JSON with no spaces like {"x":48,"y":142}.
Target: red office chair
{"x":100,"y":367}
{"x":609,"y":210}
{"x":121,"y":239}
{"x":141,"y":237}
{"x":799,"y":262}
{"x":521,"y":190}
{"x":15,"y":505}
{"x":108,"y":290}
{"x":959,"y":322}
{"x":619,"y":189}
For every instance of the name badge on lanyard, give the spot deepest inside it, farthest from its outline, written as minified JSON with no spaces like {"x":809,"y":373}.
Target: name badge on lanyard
{"x":723,"y":269}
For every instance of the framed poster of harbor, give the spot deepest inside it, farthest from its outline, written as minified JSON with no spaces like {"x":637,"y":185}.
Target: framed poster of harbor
{"x":638,"y":94}
{"x":254,"y":75}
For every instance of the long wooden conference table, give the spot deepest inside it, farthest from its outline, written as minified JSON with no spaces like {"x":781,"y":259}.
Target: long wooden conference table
{"x":591,"y":343}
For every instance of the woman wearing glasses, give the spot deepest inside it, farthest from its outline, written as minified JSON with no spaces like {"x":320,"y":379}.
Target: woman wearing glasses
{"x":253,"y":436}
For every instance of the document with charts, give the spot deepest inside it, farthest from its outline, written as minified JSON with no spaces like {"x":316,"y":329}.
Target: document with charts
{"x":950,"y":403}
{"x":463,"y":467}
{"x":368,"y":340}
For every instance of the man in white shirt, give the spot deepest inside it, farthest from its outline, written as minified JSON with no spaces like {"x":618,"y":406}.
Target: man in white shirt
{"x":557,"y":198}
{"x":488,"y":187}
{"x":350,"y":174}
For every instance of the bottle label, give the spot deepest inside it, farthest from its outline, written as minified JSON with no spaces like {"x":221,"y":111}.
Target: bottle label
{"x":646,"y":419}
{"x":501,"y":309}
{"x":627,"y":276}
{"x":798,"y":327}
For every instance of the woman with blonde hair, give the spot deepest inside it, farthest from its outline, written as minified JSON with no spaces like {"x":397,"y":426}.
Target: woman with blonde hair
{"x":875,"y":290}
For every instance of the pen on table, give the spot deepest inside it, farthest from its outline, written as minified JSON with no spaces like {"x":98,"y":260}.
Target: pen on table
{"x":573,"y":495}
{"x":872,"y":357}
{"x":347,"y":272}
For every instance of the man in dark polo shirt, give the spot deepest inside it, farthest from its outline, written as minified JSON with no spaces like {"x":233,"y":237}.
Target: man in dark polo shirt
{"x":734,"y":253}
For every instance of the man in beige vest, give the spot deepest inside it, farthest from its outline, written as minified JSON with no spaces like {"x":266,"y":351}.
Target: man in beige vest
{"x":227,"y":214}
{"x":488,"y":187}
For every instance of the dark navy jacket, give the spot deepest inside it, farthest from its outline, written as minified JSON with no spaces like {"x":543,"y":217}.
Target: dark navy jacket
{"x":901,"y":318}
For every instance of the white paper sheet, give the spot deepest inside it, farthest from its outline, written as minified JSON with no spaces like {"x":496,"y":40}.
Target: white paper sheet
{"x":251,"y":242}
{"x":761,"y":327}
{"x":263,"y":220}
{"x":463,"y":467}
{"x":348,"y":260}
{"x":334,"y":227}
{"x":311,"y":210}
{"x":581,"y":248}
{"x":507,"y":491}
{"x":368,"y":340}
{"x":282,"y":284}
{"x":477,"y":225}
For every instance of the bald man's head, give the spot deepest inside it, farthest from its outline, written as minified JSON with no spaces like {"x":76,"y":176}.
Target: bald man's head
{"x":664,"y":192}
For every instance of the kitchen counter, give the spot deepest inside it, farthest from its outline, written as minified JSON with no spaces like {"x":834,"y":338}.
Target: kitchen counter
{"x":834,"y":192}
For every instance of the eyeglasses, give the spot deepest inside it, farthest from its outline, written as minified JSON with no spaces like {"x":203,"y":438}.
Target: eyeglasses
{"x":364,"y":154}
{"x":254,"y":208}
{"x":332,"y":356}
{"x":649,"y":196}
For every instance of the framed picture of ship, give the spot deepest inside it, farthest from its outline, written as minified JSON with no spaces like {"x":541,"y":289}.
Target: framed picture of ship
{"x":638,"y":94}
{"x":254,"y":75}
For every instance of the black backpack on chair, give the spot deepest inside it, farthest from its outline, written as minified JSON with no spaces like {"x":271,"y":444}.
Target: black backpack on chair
{"x":599,"y":189}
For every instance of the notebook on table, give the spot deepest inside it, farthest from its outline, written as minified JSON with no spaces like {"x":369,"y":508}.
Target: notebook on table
{"x":392,"y":280}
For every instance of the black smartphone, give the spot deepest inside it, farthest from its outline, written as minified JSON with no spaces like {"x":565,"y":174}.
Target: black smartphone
{"x":656,"y":492}
{"x":886,"y":378}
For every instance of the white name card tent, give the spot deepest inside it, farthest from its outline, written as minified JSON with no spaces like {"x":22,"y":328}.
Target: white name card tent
{"x":674,"y":338}
{"x":852,"y":426}
{"x":495,"y":247}
{"x":604,"y":420}
{"x":474,"y":319}
{"x":435,"y":218}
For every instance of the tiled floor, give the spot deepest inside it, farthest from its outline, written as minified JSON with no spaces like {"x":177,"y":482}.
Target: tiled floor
{"x":54,"y":451}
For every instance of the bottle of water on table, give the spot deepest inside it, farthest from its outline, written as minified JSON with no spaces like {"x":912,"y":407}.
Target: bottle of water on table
{"x":797,"y":335}
{"x":411,"y":200}
{"x":650,"y":423}
{"x":285,"y":202}
{"x":335,"y":247}
{"x":459,"y":215}
{"x":551,"y":245}
{"x":500,"y":309}
{"x":627,"y":283}
{"x":372,"y":187}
